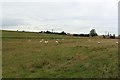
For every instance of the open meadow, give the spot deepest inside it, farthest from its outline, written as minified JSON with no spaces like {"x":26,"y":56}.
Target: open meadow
{"x":26,"y":55}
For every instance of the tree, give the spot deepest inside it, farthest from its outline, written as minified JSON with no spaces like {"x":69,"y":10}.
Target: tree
{"x":103,"y":36}
{"x":114,"y":35}
{"x":93,"y":33}
{"x":63,"y":33}
{"x":119,"y":35}
{"x":108,"y":34}
{"x":48,"y":32}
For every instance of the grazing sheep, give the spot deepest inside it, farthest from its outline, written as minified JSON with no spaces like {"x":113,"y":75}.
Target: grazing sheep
{"x":46,"y":42}
{"x":98,"y":42}
{"x":62,"y":39}
{"x":40,"y":41}
{"x":57,"y":42}
{"x":89,"y":40}
{"x":29,"y":40}
{"x":116,"y":42}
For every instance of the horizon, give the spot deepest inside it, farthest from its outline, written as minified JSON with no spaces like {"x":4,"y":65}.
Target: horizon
{"x":56,"y":32}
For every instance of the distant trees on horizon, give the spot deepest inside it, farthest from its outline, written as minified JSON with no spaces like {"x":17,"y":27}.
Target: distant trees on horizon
{"x":109,"y":36}
{"x":91,"y":33}
{"x":49,"y":32}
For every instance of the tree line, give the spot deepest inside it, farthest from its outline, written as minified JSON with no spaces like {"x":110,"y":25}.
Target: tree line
{"x":91,"y":33}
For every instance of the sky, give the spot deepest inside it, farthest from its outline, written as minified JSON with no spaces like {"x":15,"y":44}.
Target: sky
{"x":72,"y":16}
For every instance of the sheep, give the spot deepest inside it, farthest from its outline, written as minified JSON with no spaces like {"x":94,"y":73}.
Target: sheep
{"x":46,"y":42}
{"x":62,"y":39}
{"x":41,"y":40}
{"x":89,"y":40}
{"x":57,"y":42}
{"x":116,"y":42}
{"x":29,"y":40}
{"x":98,"y":42}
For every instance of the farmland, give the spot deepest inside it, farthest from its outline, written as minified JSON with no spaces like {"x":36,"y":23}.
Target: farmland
{"x":24,"y":56}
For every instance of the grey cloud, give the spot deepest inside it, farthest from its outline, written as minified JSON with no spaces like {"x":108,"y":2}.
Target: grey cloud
{"x":8,"y":22}
{"x":73,"y":17}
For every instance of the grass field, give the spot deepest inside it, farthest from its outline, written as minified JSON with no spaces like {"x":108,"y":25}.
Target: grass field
{"x":74,"y":57}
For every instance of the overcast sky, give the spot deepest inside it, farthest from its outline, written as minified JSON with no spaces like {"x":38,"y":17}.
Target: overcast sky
{"x":71,"y":16}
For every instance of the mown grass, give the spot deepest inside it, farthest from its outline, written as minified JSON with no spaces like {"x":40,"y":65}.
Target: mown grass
{"x":74,"y":57}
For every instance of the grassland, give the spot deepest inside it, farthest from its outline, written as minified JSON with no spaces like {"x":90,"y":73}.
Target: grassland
{"x":74,"y":57}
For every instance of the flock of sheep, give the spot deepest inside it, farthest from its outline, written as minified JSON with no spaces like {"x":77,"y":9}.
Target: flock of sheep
{"x":99,"y":42}
{"x":57,"y":41}
{"x":46,"y":41}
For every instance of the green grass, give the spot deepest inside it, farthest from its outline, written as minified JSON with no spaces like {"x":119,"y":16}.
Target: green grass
{"x":74,"y":57}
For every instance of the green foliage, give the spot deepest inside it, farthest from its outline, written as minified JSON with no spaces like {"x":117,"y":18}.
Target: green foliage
{"x":93,"y":33}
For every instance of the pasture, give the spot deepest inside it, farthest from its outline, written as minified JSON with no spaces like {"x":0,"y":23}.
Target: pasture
{"x":26,"y":55}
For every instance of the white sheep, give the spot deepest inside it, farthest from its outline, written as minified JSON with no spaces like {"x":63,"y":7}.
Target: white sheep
{"x":57,"y":42}
{"x":89,"y":40}
{"x":40,"y":41}
{"x":62,"y":39}
{"x":98,"y":42}
{"x":116,"y":42}
{"x":29,"y":40}
{"x":46,"y":42}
